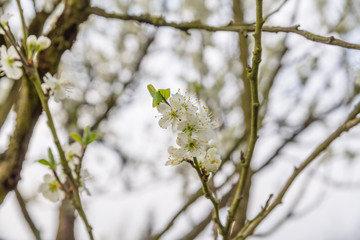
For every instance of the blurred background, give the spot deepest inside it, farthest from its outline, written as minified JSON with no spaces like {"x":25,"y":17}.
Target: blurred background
{"x":306,"y":90}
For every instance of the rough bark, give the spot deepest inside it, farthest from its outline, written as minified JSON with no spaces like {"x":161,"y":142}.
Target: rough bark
{"x":28,"y":105}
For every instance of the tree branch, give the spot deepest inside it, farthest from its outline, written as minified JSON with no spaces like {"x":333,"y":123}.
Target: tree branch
{"x":26,"y":214}
{"x":253,"y":74}
{"x":242,"y":27}
{"x":349,"y":123}
{"x":209,"y":195}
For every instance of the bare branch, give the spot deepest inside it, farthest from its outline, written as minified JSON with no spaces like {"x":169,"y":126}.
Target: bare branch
{"x":26,"y":214}
{"x":238,"y":27}
{"x":349,"y":123}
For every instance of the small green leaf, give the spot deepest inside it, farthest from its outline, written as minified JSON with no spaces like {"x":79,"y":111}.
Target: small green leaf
{"x":86,"y":135}
{"x":157,"y":99}
{"x":151,"y":89}
{"x":51,"y":158}
{"x":92,"y":137}
{"x":76,"y":137}
{"x":44,"y":162}
{"x":158,"y":96}
{"x":165,"y":93}
{"x":89,"y":136}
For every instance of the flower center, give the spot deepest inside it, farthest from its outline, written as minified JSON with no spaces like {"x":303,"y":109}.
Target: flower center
{"x":189,"y":128}
{"x":173,"y":114}
{"x":10,"y":61}
{"x":53,"y":186}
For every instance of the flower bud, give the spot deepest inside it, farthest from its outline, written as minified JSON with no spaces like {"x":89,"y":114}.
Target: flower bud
{"x":43,"y":43}
{"x":31,"y":42}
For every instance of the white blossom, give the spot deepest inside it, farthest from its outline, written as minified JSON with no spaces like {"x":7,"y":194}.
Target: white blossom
{"x":196,"y":130}
{"x":4,"y":19}
{"x":10,"y":63}
{"x":193,"y":146}
{"x":199,"y":126}
{"x":51,"y":189}
{"x":35,"y":44}
{"x":176,"y":156}
{"x":170,"y":115}
{"x":175,"y":112}
{"x":84,"y":175}
{"x":72,"y":154}
{"x":43,"y":43}
{"x":184,"y":103}
{"x":56,"y":87}
{"x":31,"y":42}
{"x":48,"y":5}
{"x":212,"y":160}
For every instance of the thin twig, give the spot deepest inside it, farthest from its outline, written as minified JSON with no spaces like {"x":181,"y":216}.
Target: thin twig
{"x":26,"y":214}
{"x":308,"y":122}
{"x":24,"y":29}
{"x":350,"y":122}
{"x":191,"y":200}
{"x":297,"y":199}
{"x":11,"y":38}
{"x":275,"y":11}
{"x":209,"y":195}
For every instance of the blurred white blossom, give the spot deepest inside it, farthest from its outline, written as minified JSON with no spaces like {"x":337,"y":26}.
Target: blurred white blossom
{"x":4,"y":19}
{"x":212,"y":160}
{"x":51,"y":189}
{"x":73,"y":153}
{"x":176,"y":156}
{"x":35,"y":44}
{"x":56,"y":87}
{"x":10,"y":62}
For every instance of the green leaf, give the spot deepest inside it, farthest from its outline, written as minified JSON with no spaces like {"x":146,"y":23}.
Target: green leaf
{"x":158,"y":96}
{"x":165,"y":93}
{"x":51,"y":158}
{"x":157,"y":99}
{"x":92,"y":137}
{"x":89,"y":136}
{"x":76,"y":137}
{"x":44,"y":162}
{"x":86,"y":135}
{"x":151,"y":89}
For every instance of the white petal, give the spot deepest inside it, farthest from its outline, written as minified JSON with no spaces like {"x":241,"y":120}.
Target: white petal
{"x":48,"y":178}
{"x":43,"y":43}
{"x":31,"y":41}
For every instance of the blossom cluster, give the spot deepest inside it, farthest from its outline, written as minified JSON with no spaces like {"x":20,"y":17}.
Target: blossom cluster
{"x":195,"y":128}
{"x":51,"y":188}
{"x":11,"y":62}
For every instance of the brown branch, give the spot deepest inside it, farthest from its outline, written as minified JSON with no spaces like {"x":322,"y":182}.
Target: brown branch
{"x":304,"y":126}
{"x":28,"y":104}
{"x":275,"y":11}
{"x":349,"y":123}
{"x":291,"y":214}
{"x":198,"y":228}
{"x":238,"y":27}
{"x":253,"y":76}
{"x":10,"y":100}
{"x":66,"y":222}
{"x":198,"y":193}
{"x":26,"y":214}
